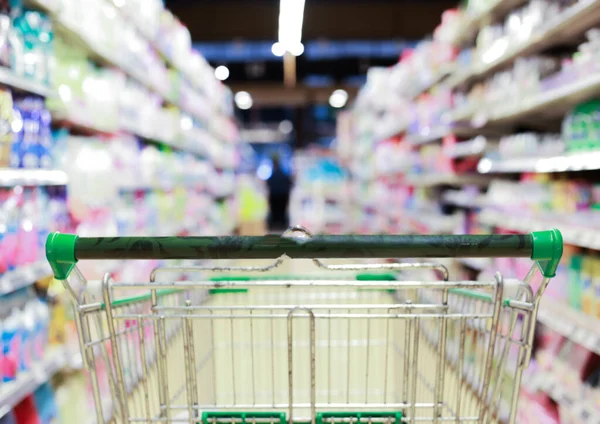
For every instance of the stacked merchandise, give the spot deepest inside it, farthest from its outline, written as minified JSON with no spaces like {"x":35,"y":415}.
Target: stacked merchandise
{"x":505,"y":141}
{"x":319,"y":198}
{"x":110,"y":125}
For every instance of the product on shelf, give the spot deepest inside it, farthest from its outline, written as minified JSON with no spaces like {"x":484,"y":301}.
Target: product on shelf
{"x":25,"y":323}
{"x":319,"y":198}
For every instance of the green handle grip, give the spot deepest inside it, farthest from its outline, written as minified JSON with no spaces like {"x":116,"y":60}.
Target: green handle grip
{"x":64,"y":250}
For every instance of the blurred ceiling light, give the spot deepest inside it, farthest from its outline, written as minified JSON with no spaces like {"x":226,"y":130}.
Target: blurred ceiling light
{"x":291,"y":16}
{"x":297,"y":50}
{"x":278,"y":49}
{"x":285,"y":127}
{"x":338,"y":98}
{"x":243,"y":100}
{"x":222,"y":73}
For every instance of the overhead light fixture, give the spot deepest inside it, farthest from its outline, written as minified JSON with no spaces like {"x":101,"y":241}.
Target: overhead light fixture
{"x":222,"y":73}
{"x":291,"y":16}
{"x":297,"y":50}
{"x":243,"y":100}
{"x":278,"y":49}
{"x":338,"y":98}
{"x":285,"y":126}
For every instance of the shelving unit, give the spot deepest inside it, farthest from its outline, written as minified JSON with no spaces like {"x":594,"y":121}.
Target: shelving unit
{"x":496,"y":10}
{"x":571,"y":23}
{"x":446,"y":179}
{"x":12,"y":393}
{"x":429,"y":136}
{"x":574,"y":325}
{"x":519,"y":95}
{"x":578,"y":161}
{"x":201,"y":123}
{"x":549,"y":383}
{"x":9,"y":78}
{"x":23,"y":276}
{"x":576,"y":234}
{"x":32,"y":177}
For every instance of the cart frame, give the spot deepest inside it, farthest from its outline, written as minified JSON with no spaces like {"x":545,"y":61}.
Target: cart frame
{"x":467,"y":329}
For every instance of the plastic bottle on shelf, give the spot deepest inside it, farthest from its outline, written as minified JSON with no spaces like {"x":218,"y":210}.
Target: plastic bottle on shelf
{"x":27,"y":316}
{"x":11,"y":345}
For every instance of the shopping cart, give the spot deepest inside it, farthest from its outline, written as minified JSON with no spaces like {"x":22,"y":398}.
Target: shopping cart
{"x":326,"y":346}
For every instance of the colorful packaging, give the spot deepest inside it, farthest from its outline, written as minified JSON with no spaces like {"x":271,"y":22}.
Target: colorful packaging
{"x":588,"y":294}
{"x":575,"y":287}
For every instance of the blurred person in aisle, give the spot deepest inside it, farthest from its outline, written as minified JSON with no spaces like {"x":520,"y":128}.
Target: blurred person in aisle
{"x":279,"y":184}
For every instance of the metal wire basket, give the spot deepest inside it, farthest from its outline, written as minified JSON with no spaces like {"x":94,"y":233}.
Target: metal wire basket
{"x":356,"y":343}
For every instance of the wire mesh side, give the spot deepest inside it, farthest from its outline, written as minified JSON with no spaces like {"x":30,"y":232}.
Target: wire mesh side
{"x":184,"y":353}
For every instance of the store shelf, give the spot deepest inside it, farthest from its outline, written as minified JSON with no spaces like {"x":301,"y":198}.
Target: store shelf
{"x":23,"y":276}
{"x":580,"y":161}
{"x":462,"y":199}
{"x":433,"y":80}
{"x":31,"y":177}
{"x":10,"y":79}
{"x":12,"y":393}
{"x":552,"y":103}
{"x":473,"y":147}
{"x":496,"y":10}
{"x":431,"y":180}
{"x":428,"y":135}
{"x":100,"y":53}
{"x":578,"y":235}
{"x":575,"y":325}
{"x":572,"y":22}
{"x":566,"y":396}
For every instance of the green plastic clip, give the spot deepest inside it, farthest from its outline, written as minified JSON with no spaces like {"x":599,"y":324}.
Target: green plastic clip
{"x":547,"y":251}
{"x":325,"y":417}
{"x":60,"y":253}
{"x":213,"y":417}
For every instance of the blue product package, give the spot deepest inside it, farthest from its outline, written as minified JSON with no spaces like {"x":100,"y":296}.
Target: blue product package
{"x":8,"y":418}
{"x":11,"y":344}
{"x":17,"y":128}
{"x":31,"y":135}
{"x":46,"y":404}
{"x":45,"y":140}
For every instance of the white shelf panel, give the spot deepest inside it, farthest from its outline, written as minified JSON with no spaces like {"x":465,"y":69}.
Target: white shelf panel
{"x":577,"y":235}
{"x":433,"y":180}
{"x":473,"y":147}
{"x":428,"y":136}
{"x":575,"y":325}
{"x":10,"y":79}
{"x":552,"y":103}
{"x":31,"y":177}
{"x":580,"y":161}
{"x":23,"y":276}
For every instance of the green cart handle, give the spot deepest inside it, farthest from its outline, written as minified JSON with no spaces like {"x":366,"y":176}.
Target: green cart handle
{"x":545,"y":247}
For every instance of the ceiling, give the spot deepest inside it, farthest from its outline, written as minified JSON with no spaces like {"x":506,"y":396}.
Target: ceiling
{"x":230,"y":26}
{"x":227,"y":20}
